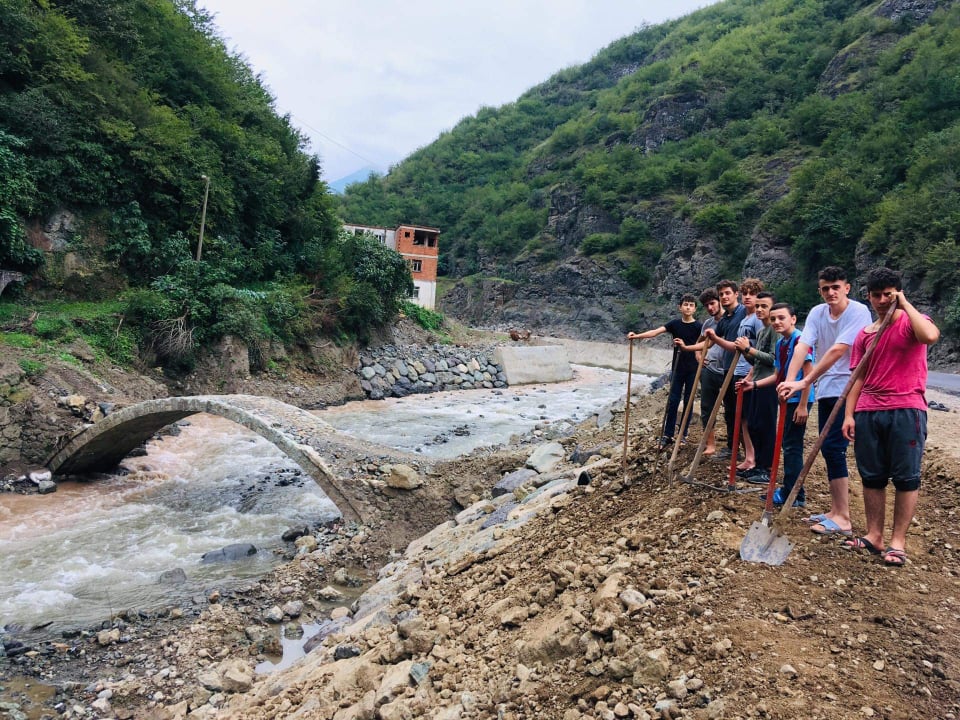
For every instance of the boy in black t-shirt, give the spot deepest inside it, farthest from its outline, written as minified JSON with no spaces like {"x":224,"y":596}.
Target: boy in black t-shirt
{"x":686,"y":333}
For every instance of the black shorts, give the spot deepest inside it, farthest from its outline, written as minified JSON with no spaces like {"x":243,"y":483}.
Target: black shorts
{"x":889,"y":446}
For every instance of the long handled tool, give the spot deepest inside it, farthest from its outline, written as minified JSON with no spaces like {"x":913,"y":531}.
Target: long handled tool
{"x":764,"y":543}
{"x":732,"y":480}
{"x":626,"y":410}
{"x":688,"y":477}
{"x":854,"y":376}
{"x":688,"y":409}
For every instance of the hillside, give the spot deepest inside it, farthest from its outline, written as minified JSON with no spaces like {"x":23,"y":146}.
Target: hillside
{"x":747,"y":138}
{"x":128,"y":131}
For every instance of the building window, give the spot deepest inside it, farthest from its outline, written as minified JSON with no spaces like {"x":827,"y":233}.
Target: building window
{"x":406,"y":233}
{"x":416,"y":293}
{"x":416,"y":265}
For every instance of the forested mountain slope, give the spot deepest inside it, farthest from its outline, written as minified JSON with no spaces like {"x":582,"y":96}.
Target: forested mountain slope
{"x":748,"y":138}
{"x":113,"y":116}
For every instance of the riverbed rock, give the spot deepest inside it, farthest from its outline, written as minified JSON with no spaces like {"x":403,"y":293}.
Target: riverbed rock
{"x":230,"y":553}
{"x":546,"y":457}
{"x":404,"y":477}
{"x":176,"y":576}
{"x":512,"y":481}
{"x":46,"y":487}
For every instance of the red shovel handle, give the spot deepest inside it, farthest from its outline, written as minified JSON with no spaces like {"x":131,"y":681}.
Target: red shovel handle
{"x":732,"y":481}
{"x":775,"y":465}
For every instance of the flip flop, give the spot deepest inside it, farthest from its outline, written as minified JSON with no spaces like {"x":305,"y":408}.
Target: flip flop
{"x":815,"y":519}
{"x":894,"y":557}
{"x":829,"y":528}
{"x":861,"y":543}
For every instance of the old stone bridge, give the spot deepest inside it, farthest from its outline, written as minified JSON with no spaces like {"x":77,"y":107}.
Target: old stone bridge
{"x":305,"y":438}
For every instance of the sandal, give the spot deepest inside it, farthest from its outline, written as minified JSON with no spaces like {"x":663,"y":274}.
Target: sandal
{"x":861,"y":543}
{"x":894,"y":557}
{"x":815,"y":519}
{"x":829,"y":528}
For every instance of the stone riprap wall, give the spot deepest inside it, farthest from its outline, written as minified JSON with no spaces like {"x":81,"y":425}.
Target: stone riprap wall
{"x":398,"y":371}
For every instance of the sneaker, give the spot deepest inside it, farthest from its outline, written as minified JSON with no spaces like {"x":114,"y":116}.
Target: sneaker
{"x":722,"y":454}
{"x":756,"y":476}
{"x":745,"y":472}
{"x":780,"y":497}
{"x":665,"y":442}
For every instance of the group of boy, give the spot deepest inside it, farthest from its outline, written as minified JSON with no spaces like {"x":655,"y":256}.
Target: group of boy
{"x":779,"y":365}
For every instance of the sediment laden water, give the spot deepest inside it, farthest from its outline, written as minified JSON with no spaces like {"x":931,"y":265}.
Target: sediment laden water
{"x":91,"y":549}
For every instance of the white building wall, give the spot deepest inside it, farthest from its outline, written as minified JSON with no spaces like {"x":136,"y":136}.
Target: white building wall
{"x":426,"y":296}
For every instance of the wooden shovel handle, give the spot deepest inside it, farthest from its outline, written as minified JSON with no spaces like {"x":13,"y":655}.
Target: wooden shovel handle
{"x":713,"y":414}
{"x":688,"y":409}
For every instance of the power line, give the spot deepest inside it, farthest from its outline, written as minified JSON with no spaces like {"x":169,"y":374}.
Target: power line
{"x":338,"y":144}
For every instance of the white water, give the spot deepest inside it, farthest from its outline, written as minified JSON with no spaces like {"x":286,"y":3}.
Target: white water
{"x":91,"y":549}
{"x":490,"y":417}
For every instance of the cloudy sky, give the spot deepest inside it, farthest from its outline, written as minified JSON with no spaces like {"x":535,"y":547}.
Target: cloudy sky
{"x":370,"y":81}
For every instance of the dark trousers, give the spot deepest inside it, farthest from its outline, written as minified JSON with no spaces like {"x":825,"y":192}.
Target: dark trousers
{"x":730,"y":408}
{"x":763,"y":424}
{"x":680,"y":387}
{"x":793,"y":451}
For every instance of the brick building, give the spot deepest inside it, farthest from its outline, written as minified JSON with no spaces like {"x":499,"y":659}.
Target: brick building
{"x":419,"y":246}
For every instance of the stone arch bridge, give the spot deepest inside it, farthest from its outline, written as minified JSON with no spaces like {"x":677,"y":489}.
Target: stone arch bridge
{"x":305,"y":438}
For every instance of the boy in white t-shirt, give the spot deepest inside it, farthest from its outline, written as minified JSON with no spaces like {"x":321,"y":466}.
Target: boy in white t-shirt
{"x":829,"y":331}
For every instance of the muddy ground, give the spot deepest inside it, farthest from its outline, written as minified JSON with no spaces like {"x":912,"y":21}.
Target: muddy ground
{"x":829,"y":634}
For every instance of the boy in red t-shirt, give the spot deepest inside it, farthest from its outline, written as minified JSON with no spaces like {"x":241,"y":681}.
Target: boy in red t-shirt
{"x":886,"y":413}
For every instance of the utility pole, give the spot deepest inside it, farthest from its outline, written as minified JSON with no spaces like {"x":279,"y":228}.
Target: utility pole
{"x":203,"y":214}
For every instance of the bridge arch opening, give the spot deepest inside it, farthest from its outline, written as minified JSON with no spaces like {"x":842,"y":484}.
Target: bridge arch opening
{"x":101,"y":447}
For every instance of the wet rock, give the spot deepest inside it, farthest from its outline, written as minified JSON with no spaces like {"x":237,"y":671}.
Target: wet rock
{"x":230,"y":553}
{"x":176,"y":576}
{"x":46,"y":487}
{"x":294,"y":533}
{"x":40,"y":476}
{"x":293,"y":608}
{"x":273,"y":614}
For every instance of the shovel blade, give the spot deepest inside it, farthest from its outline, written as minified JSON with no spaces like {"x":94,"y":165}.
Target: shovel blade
{"x":765,"y":544}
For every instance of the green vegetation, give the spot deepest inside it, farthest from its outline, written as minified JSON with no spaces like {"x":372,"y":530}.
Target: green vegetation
{"x":822,"y":124}
{"x":427,"y":319}
{"x":117,"y":109}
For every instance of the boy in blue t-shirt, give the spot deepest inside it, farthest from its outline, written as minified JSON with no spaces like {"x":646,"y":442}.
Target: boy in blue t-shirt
{"x":784,"y":322}
{"x":686,"y":332}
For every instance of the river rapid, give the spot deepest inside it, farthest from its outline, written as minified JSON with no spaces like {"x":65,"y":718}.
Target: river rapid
{"x":73,"y":558}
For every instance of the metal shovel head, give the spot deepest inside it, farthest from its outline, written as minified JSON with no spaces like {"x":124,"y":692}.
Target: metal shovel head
{"x":765,"y":544}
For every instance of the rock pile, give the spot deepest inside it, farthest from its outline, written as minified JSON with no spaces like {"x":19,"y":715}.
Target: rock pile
{"x":398,"y":371}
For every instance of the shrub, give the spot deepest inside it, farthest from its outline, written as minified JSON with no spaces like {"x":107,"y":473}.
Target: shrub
{"x":427,"y":319}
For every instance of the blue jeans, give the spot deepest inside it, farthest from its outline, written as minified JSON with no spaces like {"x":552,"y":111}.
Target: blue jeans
{"x":835,"y":445}
{"x":793,"y":451}
{"x":680,"y":386}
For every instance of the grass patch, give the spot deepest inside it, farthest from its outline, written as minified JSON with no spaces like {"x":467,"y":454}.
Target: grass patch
{"x":20,"y":340}
{"x":31,"y":367}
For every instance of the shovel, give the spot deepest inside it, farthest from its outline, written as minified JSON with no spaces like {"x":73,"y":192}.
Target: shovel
{"x":764,"y":543}
{"x":626,"y":411}
{"x":732,"y":480}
